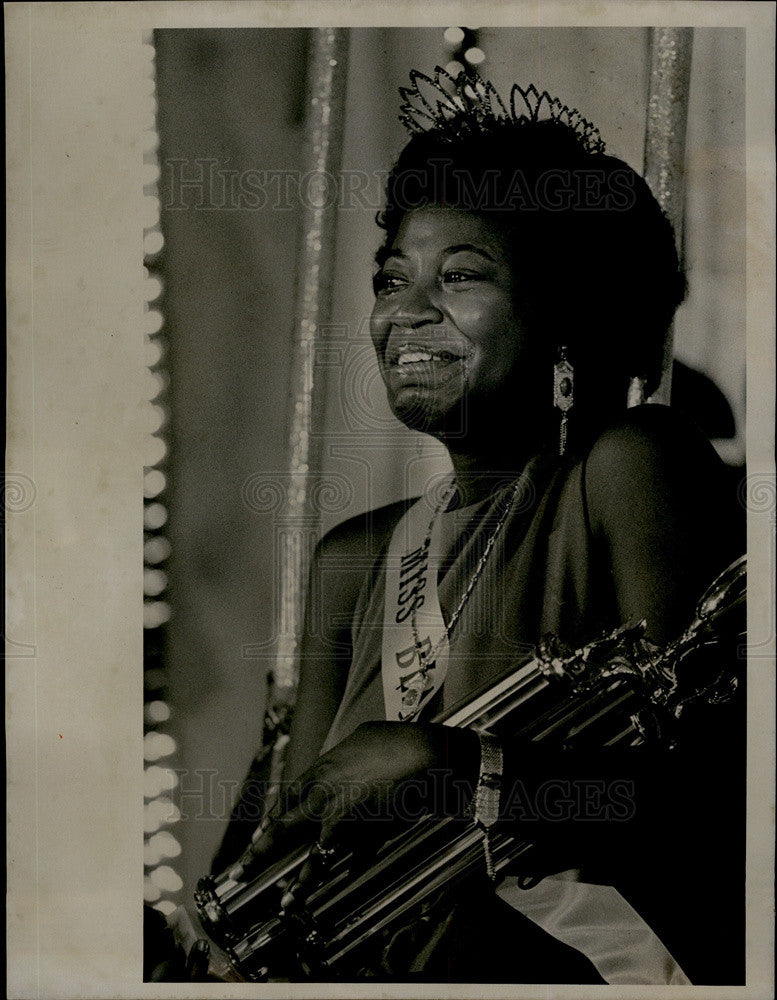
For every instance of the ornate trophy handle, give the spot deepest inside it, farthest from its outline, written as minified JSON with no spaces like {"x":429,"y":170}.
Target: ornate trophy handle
{"x":727,"y":591}
{"x":685,"y":674}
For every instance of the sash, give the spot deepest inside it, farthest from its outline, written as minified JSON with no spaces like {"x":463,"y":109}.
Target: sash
{"x":412,"y":564}
{"x":600,"y":923}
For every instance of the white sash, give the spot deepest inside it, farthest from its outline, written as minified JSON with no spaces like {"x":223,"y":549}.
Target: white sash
{"x":600,"y":923}
{"x":412,"y":563}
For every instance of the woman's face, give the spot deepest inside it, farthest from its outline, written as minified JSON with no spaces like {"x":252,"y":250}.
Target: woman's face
{"x":444,"y":324}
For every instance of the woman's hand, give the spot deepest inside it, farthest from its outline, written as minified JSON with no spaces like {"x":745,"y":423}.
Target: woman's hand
{"x":384,"y":775}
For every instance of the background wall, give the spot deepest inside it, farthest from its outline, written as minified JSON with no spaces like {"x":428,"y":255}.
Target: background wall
{"x":236,"y":98}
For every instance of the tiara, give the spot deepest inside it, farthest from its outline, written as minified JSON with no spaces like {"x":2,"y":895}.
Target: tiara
{"x":468,"y":105}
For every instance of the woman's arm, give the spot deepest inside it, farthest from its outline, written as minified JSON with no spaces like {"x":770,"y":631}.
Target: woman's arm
{"x":340,"y":563}
{"x":657,"y":506}
{"x":663,"y":525}
{"x":324,"y":659}
{"x":325,"y":647}
{"x":338,"y":567}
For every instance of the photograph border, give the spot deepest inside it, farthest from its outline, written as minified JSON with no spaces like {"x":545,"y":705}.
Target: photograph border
{"x":74,"y":468}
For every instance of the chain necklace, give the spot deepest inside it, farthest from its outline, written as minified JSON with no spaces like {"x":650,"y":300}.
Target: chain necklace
{"x":427,"y":660}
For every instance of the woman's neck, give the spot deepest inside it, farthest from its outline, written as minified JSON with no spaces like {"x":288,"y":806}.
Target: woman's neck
{"x":478,"y":475}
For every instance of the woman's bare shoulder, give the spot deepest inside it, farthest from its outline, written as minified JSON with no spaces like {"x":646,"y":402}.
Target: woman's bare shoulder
{"x":658,"y":498}
{"x":654,"y":476}
{"x":652,"y":451}
{"x":363,"y":534}
{"x":649,"y":433}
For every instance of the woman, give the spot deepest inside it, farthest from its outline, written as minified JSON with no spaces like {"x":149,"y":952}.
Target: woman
{"x":525,"y":283}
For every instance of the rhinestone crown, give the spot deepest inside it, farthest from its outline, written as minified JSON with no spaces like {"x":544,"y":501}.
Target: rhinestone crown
{"x":468,"y":105}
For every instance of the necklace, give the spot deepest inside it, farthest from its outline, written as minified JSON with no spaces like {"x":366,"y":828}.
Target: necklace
{"x":427,"y":659}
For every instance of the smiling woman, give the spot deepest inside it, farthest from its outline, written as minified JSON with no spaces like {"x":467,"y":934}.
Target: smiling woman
{"x":444,"y":323}
{"x":526,"y":281}
{"x":570,"y":249}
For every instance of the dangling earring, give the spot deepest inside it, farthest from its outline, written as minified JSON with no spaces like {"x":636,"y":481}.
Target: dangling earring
{"x":636,"y":393}
{"x":563,"y":394}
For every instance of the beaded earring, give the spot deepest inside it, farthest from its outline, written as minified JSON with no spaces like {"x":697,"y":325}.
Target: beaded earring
{"x":563,"y":394}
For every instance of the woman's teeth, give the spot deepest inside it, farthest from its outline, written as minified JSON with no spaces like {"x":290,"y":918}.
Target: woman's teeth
{"x":413,"y":357}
